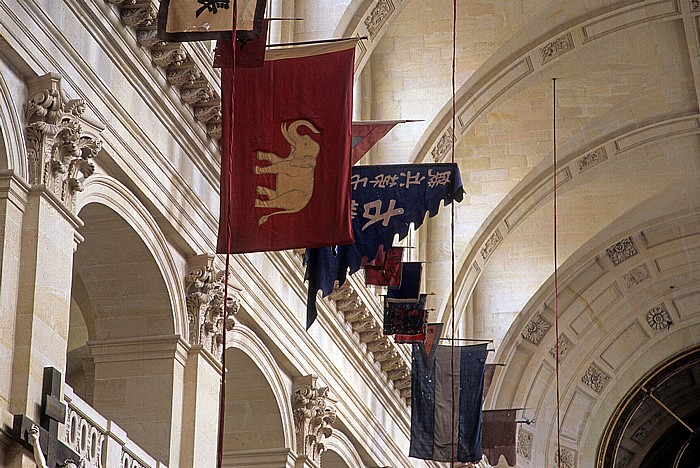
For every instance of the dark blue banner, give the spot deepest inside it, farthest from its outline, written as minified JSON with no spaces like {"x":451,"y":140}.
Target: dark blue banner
{"x":386,"y":200}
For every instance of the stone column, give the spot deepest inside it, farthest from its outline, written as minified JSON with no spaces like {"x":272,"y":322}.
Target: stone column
{"x":314,"y":414}
{"x":205,"y":307}
{"x":60,"y":144}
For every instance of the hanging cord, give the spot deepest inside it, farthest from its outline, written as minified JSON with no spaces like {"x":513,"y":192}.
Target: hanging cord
{"x":556,"y":268}
{"x":452,"y":228}
{"x":227,"y":194}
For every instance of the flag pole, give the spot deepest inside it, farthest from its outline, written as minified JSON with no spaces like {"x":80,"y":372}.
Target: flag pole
{"x":321,"y":41}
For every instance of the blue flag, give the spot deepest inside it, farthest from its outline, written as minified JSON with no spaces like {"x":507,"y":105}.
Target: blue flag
{"x":386,"y":200}
{"x":432,"y":387}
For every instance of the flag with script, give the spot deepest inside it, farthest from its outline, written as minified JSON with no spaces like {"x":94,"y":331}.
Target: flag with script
{"x":204,"y":20}
{"x":386,"y":201}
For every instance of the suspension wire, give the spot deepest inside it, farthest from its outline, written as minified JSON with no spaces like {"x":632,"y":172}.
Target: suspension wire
{"x":227,"y":190}
{"x":556,"y":269}
{"x":452,"y":229}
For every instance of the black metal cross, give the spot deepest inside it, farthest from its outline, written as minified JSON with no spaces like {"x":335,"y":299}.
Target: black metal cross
{"x":53,"y":412}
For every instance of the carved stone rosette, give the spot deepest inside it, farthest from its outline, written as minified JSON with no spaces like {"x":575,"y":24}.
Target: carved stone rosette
{"x":314,"y":414}
{"x":58,"y":149}
{"x":205,"y":304}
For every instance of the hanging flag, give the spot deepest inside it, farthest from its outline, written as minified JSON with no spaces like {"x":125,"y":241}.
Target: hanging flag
{"x":433,"y":331}
{"x":385,"y":269}
{"x":290,"y":161}
{"x":404,"y":316}
{"x":432,"y":387}
{"x":204,"y":20}
{"x":489,"y":370}
{"x":498,"y":435}
{"x":366,"y":134}
{"x":410,"y":282}
{"x":249,"y":52}
{"x":386,"y":200}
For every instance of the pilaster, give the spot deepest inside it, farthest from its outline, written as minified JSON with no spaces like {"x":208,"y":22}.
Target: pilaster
{"x":139,"y":383}
{"x":201,"y":408}
{"x":59,"y":152}
{"x":13,"y":200}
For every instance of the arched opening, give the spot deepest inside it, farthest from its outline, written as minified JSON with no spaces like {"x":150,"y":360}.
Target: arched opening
{"x":651,"y":430}
{"x":330,"y":459}
{"x":253,"y":418}
{"x":122,"y":348}
{"x":117,"y":292}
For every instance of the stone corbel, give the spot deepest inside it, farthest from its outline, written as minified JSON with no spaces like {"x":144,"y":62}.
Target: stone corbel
{"x":314,"y":413}
{"x":60,"y":142}
{"x":205,"y":304}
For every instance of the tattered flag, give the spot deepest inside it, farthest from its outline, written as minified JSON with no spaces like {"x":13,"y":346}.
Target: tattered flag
{"x":386,"y":200}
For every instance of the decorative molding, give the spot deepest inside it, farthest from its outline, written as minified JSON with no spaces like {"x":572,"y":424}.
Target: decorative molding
{"x":565,"y":346}
{"x":694,"y":5}
{"x":205,"y":304}
{"x":658,"y":318}
{"x":491,"y":244}
{"x":536,"y":329}
{"x":623,"y":250}
{"x":444,"y":145}
{"x":378,"y":16}
{"x":591,"y":159}
{"x":565,"y":458}
{"x":595,"y":378}
{"x":361,"y":50}
{"x":524,"y":444}
{"x":84,"y":438}
{"x":363,"y":322}
{"x":129,"y":460}
{"x":637,"y":276}
{"x":557,"y":47}
{"x":59,"y":148}
{"x":314,"y":414}
{"x":176,"y":63}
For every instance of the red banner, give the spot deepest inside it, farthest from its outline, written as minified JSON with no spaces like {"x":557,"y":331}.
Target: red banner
{"x":289,"y":156}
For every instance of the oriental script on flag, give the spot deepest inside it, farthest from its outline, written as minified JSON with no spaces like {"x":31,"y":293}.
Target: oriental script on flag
{"x":201,"y":20}
{"x":386,"y":200}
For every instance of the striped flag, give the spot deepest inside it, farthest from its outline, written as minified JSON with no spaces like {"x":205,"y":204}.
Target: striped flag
{"x":432,"y":388}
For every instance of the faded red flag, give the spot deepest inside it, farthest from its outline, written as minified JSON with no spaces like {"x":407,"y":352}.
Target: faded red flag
{"x":289,"y":185}
{"x":385,"y":269}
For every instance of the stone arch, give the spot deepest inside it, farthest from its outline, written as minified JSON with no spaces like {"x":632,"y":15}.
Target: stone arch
{"x":103,"y":191}
{"x":578,"y":166}
{"x":643,"y":433}
{"x":339,"y":452}
{"x":13,"y":151}
{"x":519,"y":66}
{"x":525,"y":59}
{"x":247,"y":355}
{"x":610,"y":338}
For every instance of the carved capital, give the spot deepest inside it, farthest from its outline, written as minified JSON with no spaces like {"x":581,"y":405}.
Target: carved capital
{"x":314,"y":414}
{"x":60,"y":143}
{"x":205,"y":304}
